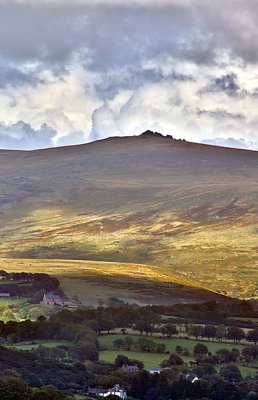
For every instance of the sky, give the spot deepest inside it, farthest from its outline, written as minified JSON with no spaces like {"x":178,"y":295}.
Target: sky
{"x":76,"y":71}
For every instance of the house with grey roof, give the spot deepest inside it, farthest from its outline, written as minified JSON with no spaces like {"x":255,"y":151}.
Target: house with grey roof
{"x":130,"y":368}
{"x":5,"y":295}
{"x":52,"y":299}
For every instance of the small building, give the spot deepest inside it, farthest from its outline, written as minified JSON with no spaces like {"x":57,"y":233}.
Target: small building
{"x":156,"y":370}
{"x":5,"y":295}
{"x":130,"y":368}
{"x":192,"y":378}
{"x":70,"y":304}
{"x":97,"y":392}
{"x":115,"y":391}
{"x":52,"y":299}
{"x":3,"y":275}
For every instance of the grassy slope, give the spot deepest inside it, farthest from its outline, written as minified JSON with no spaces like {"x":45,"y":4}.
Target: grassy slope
{"x":93,"y":281}
{"x":178,"y":208}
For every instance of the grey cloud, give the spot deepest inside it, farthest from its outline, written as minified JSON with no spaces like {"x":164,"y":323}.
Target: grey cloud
{"x":11,"y":75}
{"x":227,"y":83}
{"x":119,"y":35}
{"x":22,"y":136}
{"x":127,"y":79}
{"x":114,"y":34}
{"x":233,"y":25}
{"x":220,"y":114}
{"x":14,"y":74}
{"x":132,"y":78}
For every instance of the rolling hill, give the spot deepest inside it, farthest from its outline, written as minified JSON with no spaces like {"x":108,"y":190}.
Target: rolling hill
{"x":186,"y":211}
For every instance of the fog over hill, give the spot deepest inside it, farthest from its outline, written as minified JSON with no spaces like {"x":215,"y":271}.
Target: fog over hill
{"x":189,"y":209}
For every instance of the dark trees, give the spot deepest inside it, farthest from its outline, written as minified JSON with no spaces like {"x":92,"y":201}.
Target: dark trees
{"x":14,"y":389}
{"x":200,"y":349}
{"x":143,"y":326}
{"x":236,"y":334}
{"x":252,"y":336}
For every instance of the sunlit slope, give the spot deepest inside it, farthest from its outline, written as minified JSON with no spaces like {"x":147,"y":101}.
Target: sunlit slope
{"x":94,"y":281}
{"x":93,"y":268}
{"x":187,"y":209}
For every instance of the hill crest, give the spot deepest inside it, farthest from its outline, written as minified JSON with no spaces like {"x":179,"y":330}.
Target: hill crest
{"x":148,"y":134}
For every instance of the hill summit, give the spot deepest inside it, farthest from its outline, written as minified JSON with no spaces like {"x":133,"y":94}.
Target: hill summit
{"x":151,"y":134}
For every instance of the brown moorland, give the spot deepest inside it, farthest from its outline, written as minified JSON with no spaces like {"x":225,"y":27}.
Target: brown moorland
{"x":175,"y":208}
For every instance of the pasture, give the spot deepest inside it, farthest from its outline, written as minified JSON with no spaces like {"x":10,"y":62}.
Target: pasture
{"x":13,"y":301}
{"x":28,"y":346}
{"x":170,"y":343}
{"x":150,"y":360}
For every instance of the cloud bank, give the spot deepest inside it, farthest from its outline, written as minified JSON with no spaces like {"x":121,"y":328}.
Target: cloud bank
{"x":78,"y":71}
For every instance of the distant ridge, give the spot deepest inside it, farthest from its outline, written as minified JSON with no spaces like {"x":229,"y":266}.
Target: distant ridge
{"x":148,"y":134}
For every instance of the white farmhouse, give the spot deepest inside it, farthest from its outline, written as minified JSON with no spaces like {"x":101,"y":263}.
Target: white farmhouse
{"x":114,"y":391}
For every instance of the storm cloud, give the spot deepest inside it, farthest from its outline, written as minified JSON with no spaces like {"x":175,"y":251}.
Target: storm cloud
{"x":87,"y":70}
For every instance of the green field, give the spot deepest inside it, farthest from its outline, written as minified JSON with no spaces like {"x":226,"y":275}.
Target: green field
{"x":248,"y":371}
{"x":150,"y":360}
{"x":245,"y":371}
{"x":33,"y":345}
{"x":11,"y":302}
{"x":107,"y":342}
{"x":166,"y":317}
{"x":255,"y":320}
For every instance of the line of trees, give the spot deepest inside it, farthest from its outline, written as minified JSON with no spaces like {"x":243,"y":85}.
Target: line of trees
{"x":222,"y":332}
